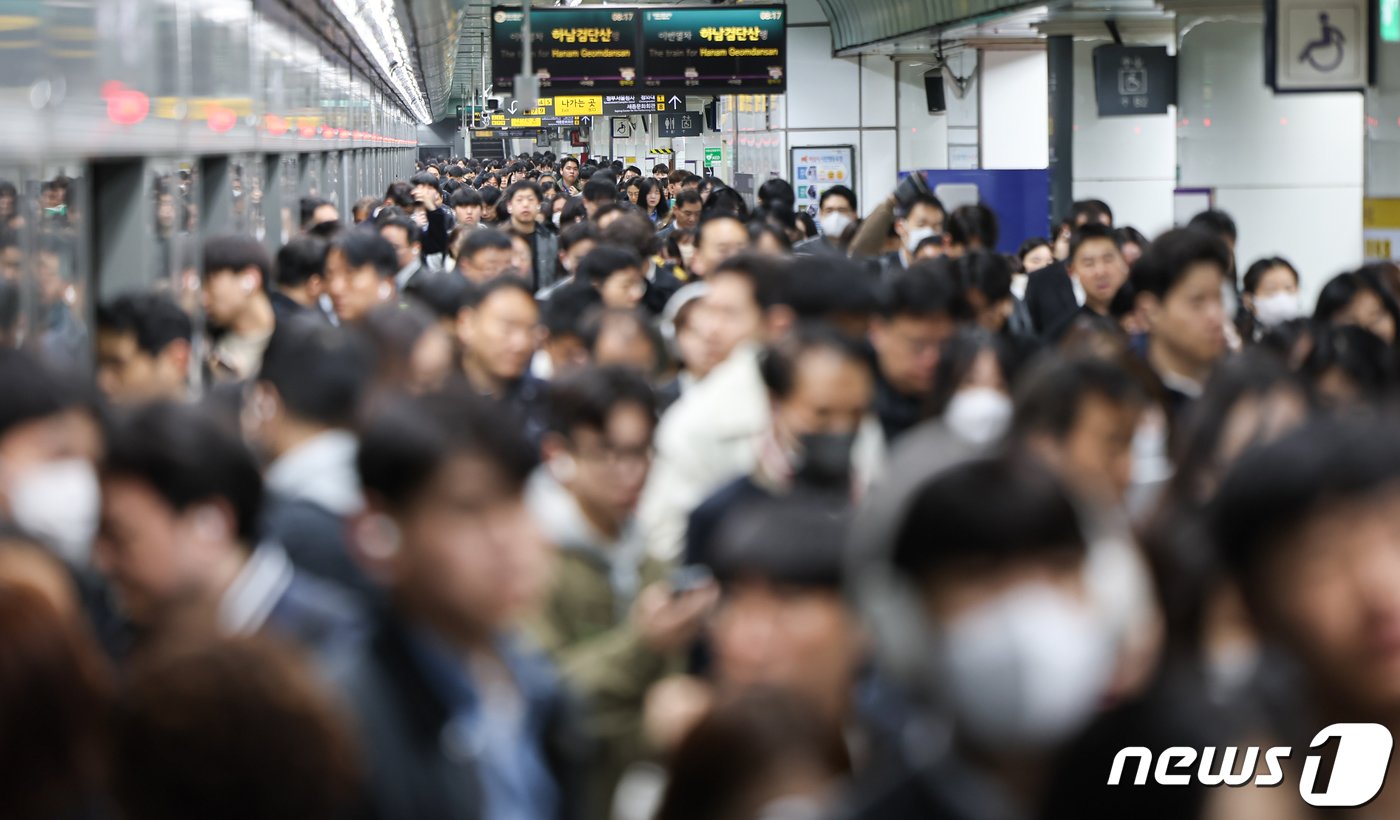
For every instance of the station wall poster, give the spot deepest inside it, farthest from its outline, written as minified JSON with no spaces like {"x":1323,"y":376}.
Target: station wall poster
{"x":815,"y":168}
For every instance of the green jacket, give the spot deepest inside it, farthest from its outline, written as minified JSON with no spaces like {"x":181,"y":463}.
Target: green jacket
{"x":585,"y":626}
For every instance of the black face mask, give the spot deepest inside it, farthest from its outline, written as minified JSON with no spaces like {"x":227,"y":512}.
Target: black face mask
{"x":825,"y":460}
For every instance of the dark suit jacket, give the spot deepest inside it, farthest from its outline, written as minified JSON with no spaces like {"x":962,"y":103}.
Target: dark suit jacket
{"x":1049,"y":297}
{"x":415,"y":767}
{"x":315,"y":540}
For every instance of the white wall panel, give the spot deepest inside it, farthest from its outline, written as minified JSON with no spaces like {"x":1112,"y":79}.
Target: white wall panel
{"x":1015,"y":110}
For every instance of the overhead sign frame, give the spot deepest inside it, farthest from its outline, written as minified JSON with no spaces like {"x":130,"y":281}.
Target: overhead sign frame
{"x":576,"y":49}
{"x":1132,"y":81}
{"x":680,"y":124}
{"x":1320,"y":45}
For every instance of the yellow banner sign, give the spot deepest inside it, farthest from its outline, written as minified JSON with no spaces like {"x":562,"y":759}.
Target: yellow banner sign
{"x":578,"y":106}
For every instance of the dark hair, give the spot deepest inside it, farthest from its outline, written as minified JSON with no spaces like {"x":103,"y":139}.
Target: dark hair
{"x":903,"y":211}
{"x":1092,"y":210}
{"x":633,"y":231}
{"x":366,"y":247}
{"x":1274,"y":489}
{"x":984,"y":271}
{"x":245,"y":709}
{"x":1051,"y":394}
{"x":1163,"y":265}
{"x":399,"y":193}
{"x":957,"y":358}
{"x":1216,"y":223}
{"x":761,"y":228}
{"x":424,"y":178}
{"x":481,"y":293}
{"x":837,"y":190}
{"x":1128,"y":235}
{"x":444,"y":293}
{"x":319,"y":371}
{"x":663,"y":206}
{"x":1088,"y":232}
{"x":1344,"y":287}
{"x":1030,"y":245}
{"x":822,"y":285}
{"x":407,"y":440}
{"x":661,"y":168}
{"x":1258,"y":269}
{"x":721,"y":200}
{"x":1362,"y":356}
{"x":588,"y":397}
{"x":771,"y":278}
{"x":689,"y":197}
{"x":563,"y":313}
{"x":778,"y":362}
{"x":566,"y":160}
{"x":924,"y":290}
{"x":576,"y":233}
{"x":234,"y":252}
{"x":34,"y":389}
{"x":605,"y":260}
{"x":309,"y":204}
{"x":300,"y":259}
{"x":776,"y":195}
{"x":410,"y":229}
{"x":465,"y":197}
{"x":974,"y":223}
{"x":187,"y":458}
{"x":990,"y":510}
{"x":153,"y":318}
{"x":599,"y":190}
{"x":797,"y":540}
{"x":523,"y":185}
{"x":480,"y":239}
{"x":596,"y":321}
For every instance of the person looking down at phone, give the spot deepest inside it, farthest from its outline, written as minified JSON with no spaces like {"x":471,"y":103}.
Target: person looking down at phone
{"x":610,"y":626}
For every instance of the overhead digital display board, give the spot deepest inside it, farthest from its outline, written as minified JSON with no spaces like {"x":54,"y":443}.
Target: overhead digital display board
{"x":738,"y":49}
{"x":574,"y":48}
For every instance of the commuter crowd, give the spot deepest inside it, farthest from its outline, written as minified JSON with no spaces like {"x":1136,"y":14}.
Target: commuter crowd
{"x":542,"y":489}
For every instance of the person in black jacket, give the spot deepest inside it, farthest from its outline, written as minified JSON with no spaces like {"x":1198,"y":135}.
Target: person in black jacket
{"x":1050,"y":292}
{"x":459,"y":719}
{"x":440,"y":219}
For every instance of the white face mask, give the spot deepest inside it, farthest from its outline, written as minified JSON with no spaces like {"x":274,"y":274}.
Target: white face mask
{"x":1025,"y":670}
{"x":917,"y":235}
{"x":556,"y":216}
{"x":1276,"y":309}
{"x":978,"y":415}
{"x":59,"y":502}
{"x":834,"y":224}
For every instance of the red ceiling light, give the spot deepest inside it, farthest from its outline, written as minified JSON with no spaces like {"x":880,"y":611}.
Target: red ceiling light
{"x":125,"y":106}
{"x":221,"y":119}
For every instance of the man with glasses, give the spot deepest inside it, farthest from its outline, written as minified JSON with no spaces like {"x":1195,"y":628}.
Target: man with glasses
{"x":609,"y":629}
{"x":500,"y":334}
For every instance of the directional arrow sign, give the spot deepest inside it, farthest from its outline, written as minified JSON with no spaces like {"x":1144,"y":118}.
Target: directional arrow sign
{"x":675,"y":101}
{"x":514,"y":104}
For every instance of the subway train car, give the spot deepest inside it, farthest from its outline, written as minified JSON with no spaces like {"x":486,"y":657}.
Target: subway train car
{"x":134,"y":128}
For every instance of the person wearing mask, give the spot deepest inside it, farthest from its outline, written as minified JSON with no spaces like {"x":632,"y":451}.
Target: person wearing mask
{"x":612,"y":627}
{"x":404,"y":235}
{"x":685,"y":213}
{"x":237,"y":278}
{"x":1270,"y":296}
{"x":920,"y":312}
{"x":980,"y":617}
{"x":498,"y":336}
{"x":836,"y":212}
{"x":298,"y":416}
{"x":923,"y":218}
{"x":1097,"y":272}
{"x":1050,"y":293}
{"x":49,"y":443}
{"x":616,"y":273}
{"x":179,"y":540}
{"x":360,"y":269}
{"x":438,"y":219}
{"x":483,"y":255}
{"x":459,"y":717}
{"x":597,"y":193}
{"x":819,"y":388}
{"x":1177,"y":283}
{"x":301,"y":278}
{"x":720,"y":237}
{"x":143,"y":349}
{"x":466,"y":207}
{"x":971,"y":395}
{"x":523,"y":203}
{"x":568,"y":177}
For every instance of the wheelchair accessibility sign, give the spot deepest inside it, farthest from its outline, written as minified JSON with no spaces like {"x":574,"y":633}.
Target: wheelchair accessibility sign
{"x":1320,"y":45}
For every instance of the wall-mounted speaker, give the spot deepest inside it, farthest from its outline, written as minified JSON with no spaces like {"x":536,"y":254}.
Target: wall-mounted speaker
{"x":933,"y":91}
